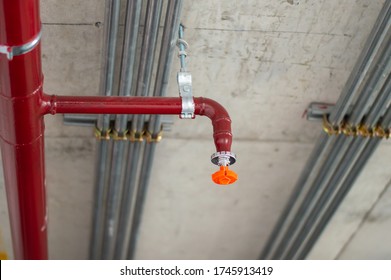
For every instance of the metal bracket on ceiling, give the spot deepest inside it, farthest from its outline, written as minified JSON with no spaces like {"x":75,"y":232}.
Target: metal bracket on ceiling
{"x":11,"y":51}
{"x":133,"y":136}
{"x":316,"y":111}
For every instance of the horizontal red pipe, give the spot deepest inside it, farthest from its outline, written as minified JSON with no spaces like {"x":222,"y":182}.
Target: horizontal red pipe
{"x":144,"y":105}
{"x":111,"y":105}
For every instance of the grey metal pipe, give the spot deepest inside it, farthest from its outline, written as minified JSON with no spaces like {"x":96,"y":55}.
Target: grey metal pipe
{"x":107,"y":75}
{"x":107,"y":80}
{"x":169,"y":39}
{"x":345,"y":167}
{"x":341,"y":158}
{"x":345,"y":187}
{"x":130,"y":183}
{"x":353,"y":152}
{"x":336,"y":115}
{"x":380,"y":86}
{"x":363,"y":65}
{"x":375,"y":84}
{"x":151,"y":28}
{"x":149,"y":152}
{"x":101,"y":168}
{"x":336,"y":152}
{"x":113,"y":201}
{"x":133,"y":11}
{"x":339,"y":148}
{"x":313,"y":163}
{"x":343,"y":190}
{"x":132,"y":23}
{"x":161,"y":84}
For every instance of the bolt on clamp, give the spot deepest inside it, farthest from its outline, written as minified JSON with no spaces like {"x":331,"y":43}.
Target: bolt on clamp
{"x":361,"y":129}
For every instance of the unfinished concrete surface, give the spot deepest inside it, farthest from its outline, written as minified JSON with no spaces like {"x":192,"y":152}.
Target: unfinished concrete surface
{"x":265,"y":61}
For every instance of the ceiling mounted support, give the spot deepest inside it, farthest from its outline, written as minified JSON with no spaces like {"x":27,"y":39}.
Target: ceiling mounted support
{"x":184,"y":79}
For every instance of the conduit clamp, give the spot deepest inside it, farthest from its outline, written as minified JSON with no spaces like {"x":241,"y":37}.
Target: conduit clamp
{"x":11,"y":51}
{"x":120,"y":136}
{"x":361,"y":129}
{"x":132,"y":135}
{"x":136,"y":136}
{"x":153,"y":138}
{"x":100,"y":135}
{"x":329,"y":128}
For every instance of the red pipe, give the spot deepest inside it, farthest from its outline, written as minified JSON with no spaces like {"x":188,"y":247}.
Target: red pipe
{"x":22,"y":107}
{"x":21,"y":129}
{"x":144,"y":105}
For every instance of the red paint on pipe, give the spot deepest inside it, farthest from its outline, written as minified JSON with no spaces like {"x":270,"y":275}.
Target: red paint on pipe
{"x":111,"y":105}
{"x":21,"y":130}
{"x":221,"y":122}
{"x":144,"y":105}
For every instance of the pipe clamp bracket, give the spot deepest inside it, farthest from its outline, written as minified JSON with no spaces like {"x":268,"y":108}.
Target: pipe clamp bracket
{"x":11,"y":51}
{"x":186,"y":93}
{"x":223,"y":158}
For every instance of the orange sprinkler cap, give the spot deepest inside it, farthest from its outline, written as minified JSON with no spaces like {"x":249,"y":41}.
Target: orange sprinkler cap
{"x":224,"y":176}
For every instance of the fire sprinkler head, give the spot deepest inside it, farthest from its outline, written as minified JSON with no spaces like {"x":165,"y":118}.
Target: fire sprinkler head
{"x":224,"y":176}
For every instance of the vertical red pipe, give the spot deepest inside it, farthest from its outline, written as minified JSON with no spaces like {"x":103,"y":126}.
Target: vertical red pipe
{"x":21,"y":129}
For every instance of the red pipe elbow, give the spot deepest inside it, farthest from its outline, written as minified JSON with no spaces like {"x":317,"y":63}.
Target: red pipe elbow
{"x":145,"y":105}
{"x":221,"y":122}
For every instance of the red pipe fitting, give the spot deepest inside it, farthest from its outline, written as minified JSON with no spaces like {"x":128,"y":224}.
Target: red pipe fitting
{"x":221,"y":122}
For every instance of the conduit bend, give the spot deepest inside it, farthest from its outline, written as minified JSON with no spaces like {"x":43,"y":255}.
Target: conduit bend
{"x":221,"y":122}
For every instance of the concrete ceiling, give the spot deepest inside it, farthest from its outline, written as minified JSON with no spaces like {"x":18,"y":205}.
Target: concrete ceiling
{"x":265,"y":61}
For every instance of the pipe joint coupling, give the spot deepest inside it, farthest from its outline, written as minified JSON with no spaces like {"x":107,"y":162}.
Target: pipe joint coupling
{"x":11,"y":51}
{"x":223,"y":158}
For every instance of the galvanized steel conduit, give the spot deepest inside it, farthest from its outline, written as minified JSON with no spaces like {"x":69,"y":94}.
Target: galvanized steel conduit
{"x":336,"y":160}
